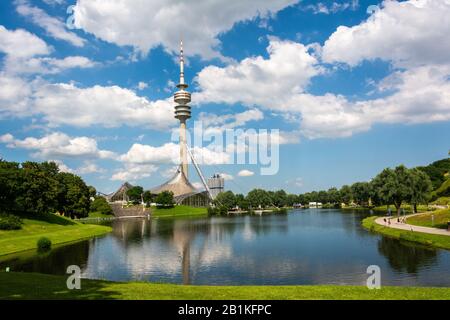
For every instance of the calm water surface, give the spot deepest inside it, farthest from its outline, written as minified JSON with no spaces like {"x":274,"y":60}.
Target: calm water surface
{"x":314,"y":246}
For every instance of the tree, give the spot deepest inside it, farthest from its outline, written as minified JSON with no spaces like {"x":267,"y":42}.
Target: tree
{"x":101,"y":205}
{"x":292,"y":199}
{"x":135,"y":194}
{"x":242,"y":202}
{"x":10,"y":186}
{"x":73,"y":197}
{"x":38,"y":193}
{"x":361,"y":193}
{"x":322,"y":196}
{"x":165,"y":199}
{"x":334,"y":196}
{"x":421,"y":188}
{"x":148,"y":197}
{"x":226,"y":199}
{"x":279,"y":198}
{"x":259,"y":197}
{"x":394,"y":186}
{"x":92,"y":192}
{"x":346,"y":194}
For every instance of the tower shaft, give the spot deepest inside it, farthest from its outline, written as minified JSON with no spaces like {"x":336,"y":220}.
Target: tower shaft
{"x":183,"y":148}
{"x":182,"y":112}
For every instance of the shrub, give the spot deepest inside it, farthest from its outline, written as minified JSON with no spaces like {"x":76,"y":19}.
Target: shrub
{"x":44,"y":244}
{"x":10,"y":222}
{"x":101,"y":205}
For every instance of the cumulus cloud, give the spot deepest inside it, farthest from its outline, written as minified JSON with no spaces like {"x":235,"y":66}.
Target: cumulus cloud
{"x":89,"y":167}
{"x":21,"y":43}
{"x":27,"y":53}
{"x":146,"y":24}
{"x":134,"y":172}
{"x":55,"y":27}
{"x":46,"y":65}
{"x":226,"y":176}
{"x":66,"y":104}
{"x":259,"y":81}
{"x":169,"y":153}
{"x":416,"y":95}
{"x":408,"y":33}
{"x":246,"y":173}
{"x":58,"y":145}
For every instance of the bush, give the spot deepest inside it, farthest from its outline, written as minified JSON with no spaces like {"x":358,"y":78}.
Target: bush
{"x":10,"y":222}
{"x":101,"y":205}
{"x":44,"y":244}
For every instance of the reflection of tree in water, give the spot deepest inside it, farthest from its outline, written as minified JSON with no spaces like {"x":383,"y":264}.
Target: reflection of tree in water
{"x":55,"y":261}
{"x":405,"y":256}
{"x":132,"y":231}
{"x":261,"y":225}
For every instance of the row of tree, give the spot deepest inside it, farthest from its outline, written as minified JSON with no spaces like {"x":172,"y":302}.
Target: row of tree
{"x":33,"y":188}
{"x":391,"y":186}
{"x":137,"y":195}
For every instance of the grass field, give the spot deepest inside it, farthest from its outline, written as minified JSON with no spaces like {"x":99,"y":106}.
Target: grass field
{"x":432,"y":240}
{"x":178,"y":211}
{"x":58,"y":229}
{"x":39,"y":286}
{"x":441,"y":217}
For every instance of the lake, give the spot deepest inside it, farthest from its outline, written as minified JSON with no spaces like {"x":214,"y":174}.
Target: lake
{"x":303,"y":247}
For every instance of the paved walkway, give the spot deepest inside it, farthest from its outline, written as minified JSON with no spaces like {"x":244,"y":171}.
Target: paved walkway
{"x":404,"y":226}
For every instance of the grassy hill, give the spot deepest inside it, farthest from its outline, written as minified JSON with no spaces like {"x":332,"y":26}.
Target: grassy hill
{"x":58,"y":229}
{"x":438,"y":172}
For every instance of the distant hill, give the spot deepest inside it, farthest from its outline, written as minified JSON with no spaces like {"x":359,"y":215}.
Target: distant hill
{"x":438,"y":172}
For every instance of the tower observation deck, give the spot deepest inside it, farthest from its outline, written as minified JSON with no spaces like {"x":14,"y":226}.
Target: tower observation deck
{"x":182,"y":99}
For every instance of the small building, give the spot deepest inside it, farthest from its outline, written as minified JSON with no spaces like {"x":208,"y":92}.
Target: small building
{"x":315,"y":204}
{"x":216,"y":185}
{"x":120,"y":194}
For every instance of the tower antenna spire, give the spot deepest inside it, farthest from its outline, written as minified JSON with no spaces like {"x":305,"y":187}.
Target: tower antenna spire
{"x":181,"y":63}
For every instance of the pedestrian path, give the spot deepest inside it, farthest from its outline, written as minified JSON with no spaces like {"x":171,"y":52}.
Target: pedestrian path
{"x":409,"y":227}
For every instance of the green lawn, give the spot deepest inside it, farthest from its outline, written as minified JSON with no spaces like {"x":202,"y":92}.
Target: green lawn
{"x":178,"y":211}
{"x":423,"y":238}
{"x":100,"y":215}
{"x":58,"y":229}
{"x":39,"y":286}
{"x":441,"y":217}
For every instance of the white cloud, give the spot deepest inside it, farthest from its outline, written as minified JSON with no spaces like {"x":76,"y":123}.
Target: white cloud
{"x":333,"y":7}
{"x":89,"y":167}
{"x":58,"y":145}
{"x":259,"y":81}
{"x":62,"y":166}
{"x":408,"y":33}
{"x":212,"y":121}
{"x":54,"y":2}
{"x":108,"y":106}
{"x":169,"y":153}
{"x":27,"y":53}
{"x":55,"y":27}
{"x":66,"y":104}
{"x":279,"y":83}
{"x":14,"y":96}
{"x":21,"y":43}
{"x":134,"y":172}
{"x":226,"y":176}
{"x":146,"y":24}
{"x":142,"y":85}
{"x":246,"y":173}
{"x":46,"y":65}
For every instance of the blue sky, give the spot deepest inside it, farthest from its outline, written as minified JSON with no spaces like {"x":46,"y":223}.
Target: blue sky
{"x":350,"y":92}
